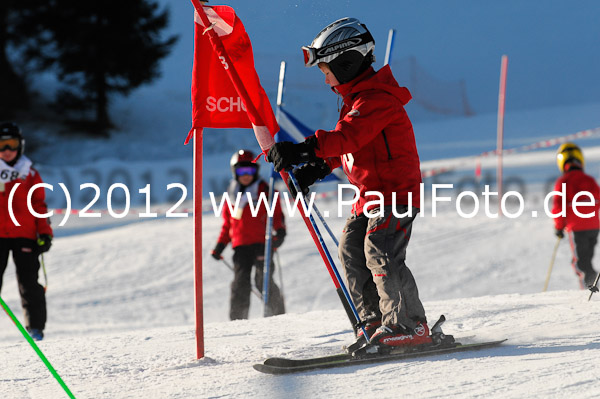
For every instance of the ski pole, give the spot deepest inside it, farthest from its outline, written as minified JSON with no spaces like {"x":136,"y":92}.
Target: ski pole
{"x":35,"y":348}
{"x":254,"y":291}
{"x":268,"y":253}
{"x":40,"y":241}
{"x":44,"y":270}
{"x":594,"y":288}
{"x":348,"y":299}
{"x":278,"y":265}
{"x":551,"y":264}
{"x":337,"y":244}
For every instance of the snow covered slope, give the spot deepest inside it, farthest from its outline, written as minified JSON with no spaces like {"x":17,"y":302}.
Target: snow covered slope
{"x":121,"y":317}
{"x":551,"y":353}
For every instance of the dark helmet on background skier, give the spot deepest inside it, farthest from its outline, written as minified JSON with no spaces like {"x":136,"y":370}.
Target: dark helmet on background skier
{"x":11,"y":137}
{"x":569,"y":153}
{"x":242,"y":163}
{"x":346,"y":45}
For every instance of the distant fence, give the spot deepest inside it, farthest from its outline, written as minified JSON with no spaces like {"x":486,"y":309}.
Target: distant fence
{"x":307,"y":96}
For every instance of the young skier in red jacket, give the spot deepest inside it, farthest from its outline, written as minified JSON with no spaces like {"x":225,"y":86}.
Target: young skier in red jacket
{"x":374,"y":142}
{"x":246,"y":232}
{"x":582,"y":231}
{"x":33,"y":236}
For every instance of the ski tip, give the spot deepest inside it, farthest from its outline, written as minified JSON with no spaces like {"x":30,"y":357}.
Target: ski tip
{"x":261,"y":368}
{"x":274,"y":370}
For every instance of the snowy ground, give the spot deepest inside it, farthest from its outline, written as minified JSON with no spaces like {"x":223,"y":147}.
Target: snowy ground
{"x":552,"y":352}
{"x":121,"y":317}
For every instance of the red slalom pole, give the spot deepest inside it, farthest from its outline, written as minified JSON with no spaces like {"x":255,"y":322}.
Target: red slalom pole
{"x":265,"y":140}
{"x":198,"y":292}
{"x":500,"y":129}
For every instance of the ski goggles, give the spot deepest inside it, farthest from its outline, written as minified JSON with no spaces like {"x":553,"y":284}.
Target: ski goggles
{"x":312,"y":55}
{"x":10,"y":144}
{"x":245,"y":170}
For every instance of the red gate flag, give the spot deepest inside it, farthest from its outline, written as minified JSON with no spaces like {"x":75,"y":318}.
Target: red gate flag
{"x":215,"y":101}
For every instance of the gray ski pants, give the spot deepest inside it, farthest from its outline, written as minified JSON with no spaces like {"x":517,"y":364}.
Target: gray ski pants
{"x":372,"y":251}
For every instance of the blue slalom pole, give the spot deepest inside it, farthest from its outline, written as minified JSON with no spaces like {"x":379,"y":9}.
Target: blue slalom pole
{"x":269,"y":228}
{"x":389,"y":47}
{"x":333,"y":267}
{"x":268,"y":255}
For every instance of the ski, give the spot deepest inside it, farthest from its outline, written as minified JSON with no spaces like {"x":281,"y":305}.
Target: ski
{"x":288,"y":366}
{"x":287,"y":362}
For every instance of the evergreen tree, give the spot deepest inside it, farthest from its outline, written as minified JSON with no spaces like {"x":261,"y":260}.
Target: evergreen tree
{"x":96,"y":49}
{"x":15,"y":95}
{"x":104,"y":47}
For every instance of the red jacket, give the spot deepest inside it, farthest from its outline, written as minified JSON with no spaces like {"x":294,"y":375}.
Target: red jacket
{"x":576,"y":181}
{"x":247,"y":229}
{"x":30,"y":225}
{"x":374,"y":139}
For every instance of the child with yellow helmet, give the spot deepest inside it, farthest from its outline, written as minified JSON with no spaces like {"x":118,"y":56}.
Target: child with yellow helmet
{"x":582,"y":231}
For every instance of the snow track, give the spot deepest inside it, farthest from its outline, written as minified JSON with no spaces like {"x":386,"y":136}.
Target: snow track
{"x":121,"y":318}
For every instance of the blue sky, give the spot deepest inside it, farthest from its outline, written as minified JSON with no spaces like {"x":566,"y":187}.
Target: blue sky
{"x":553,"y":46}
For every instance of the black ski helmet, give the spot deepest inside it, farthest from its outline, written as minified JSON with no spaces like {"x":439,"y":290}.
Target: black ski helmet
{"x":243,"y":158}
{"x":346,"y":45}
{"x":10,"y":130}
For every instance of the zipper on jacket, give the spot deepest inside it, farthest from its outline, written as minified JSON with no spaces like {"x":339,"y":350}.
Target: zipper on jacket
{"x":387,"y":145}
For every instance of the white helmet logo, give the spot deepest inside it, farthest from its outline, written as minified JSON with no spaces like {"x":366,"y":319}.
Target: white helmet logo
{"x":349,"y":43}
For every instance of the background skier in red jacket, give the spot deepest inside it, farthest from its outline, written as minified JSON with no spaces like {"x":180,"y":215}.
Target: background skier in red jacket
{"x":374,"y":142}
{"x":583,"y":232}
{"x":33,"y":236}
{"x":246,"y":233}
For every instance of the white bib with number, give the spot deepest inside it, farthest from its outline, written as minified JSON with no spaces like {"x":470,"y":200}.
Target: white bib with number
{"x":19,"y":171}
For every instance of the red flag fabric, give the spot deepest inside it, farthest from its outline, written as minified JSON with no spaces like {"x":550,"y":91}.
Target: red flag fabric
{"x":215,"y":101}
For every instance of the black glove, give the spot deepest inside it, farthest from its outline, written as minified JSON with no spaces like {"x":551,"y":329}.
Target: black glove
{"x":285,"y":154}
{"x":278,"y":238}
{"x":218,"y":250}
{"x":307,"y":174}
{"x":559,"y":233}
{"x":44,"y":243}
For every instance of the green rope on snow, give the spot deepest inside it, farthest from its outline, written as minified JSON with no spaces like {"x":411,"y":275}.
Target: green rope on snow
{"x":35,"y":347}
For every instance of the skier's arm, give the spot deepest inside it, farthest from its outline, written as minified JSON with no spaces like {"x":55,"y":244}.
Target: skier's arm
{"x":370,"y":114}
